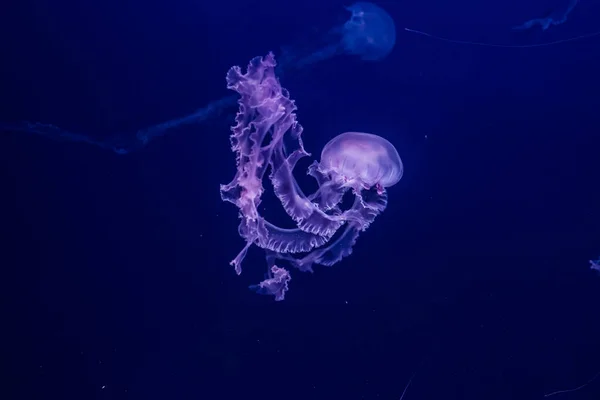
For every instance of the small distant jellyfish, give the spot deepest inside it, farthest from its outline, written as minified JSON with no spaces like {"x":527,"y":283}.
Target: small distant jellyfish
{"x":595,"y":265}
{"x":556,"y":17}
{"x":369,"y":33}
{"x":362,"y":163}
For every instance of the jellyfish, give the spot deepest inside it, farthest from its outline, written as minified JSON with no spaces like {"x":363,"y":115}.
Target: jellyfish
{"x":556,"y":17}
{"x":369,"y":33}
{"x":363,"y":163}
{"x":595,"y":265}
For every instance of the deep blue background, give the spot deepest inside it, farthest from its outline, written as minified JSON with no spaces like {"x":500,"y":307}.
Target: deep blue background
{"x":115,"y":273}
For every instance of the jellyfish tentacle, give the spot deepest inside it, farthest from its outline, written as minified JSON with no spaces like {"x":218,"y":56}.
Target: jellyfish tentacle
{"x":276,"y":284}
{"x":262,"y":94}
{"x":307,"y":214}
{"x":268,"y":236}
{"x":360,"y":216}
{"x":370,"y":39}
{"x":330,"y":193}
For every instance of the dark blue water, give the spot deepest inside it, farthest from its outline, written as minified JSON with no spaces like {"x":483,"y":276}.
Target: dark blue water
{"x":115,"y":275}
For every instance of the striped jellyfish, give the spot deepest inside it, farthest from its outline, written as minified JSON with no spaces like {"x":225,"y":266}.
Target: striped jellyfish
{"x":362,"y":163}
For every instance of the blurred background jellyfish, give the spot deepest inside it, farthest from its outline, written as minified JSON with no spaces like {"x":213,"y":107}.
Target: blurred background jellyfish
{"x":595,"y":264}
{"x":368,"y":33}
{"x":267,"y":136}
{"x":556,"y":17}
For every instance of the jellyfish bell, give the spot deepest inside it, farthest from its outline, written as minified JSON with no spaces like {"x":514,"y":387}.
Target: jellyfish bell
{"x":361,"y":161}
{"x":370,"y":32}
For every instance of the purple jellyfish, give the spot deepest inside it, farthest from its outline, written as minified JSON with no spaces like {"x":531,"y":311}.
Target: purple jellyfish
{"x":364,"y":163}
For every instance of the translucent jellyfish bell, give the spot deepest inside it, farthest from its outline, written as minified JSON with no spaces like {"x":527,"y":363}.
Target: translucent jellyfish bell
{"x":361,"y":161}
{"x":369,"y":33}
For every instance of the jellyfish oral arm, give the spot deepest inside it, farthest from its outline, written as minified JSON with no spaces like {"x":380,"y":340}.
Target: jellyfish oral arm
{"x":275,"y":284}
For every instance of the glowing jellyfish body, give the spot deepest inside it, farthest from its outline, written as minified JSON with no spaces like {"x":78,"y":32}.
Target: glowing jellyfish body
{"x":361,"y":162}
{"x":370,"y":33}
